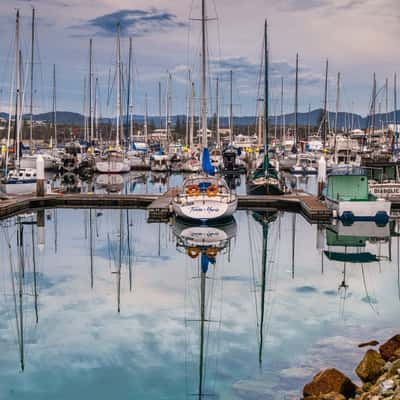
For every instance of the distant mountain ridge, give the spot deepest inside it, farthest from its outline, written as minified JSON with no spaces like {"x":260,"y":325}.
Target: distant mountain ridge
{"x":313,"y":118}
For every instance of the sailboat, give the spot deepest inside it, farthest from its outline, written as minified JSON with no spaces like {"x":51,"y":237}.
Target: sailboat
{"x":205,"y":197}
{"x":18,"y":180}
{"x":265,"y":179}
{"x":113,"y":161}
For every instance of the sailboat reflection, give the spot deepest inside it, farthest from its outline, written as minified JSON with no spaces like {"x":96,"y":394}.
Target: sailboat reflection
{"x":204,"y":245}
{"x":360,"y":243}
{"x":23,"y":271}
{"x":264,"y":218}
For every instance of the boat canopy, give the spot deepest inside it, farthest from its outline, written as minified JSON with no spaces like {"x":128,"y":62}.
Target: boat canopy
{"x":345,"y":187}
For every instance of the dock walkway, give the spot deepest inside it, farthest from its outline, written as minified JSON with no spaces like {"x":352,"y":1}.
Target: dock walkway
{"x":158,"y":206}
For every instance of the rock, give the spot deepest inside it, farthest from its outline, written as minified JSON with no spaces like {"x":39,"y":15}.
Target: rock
{"x":332,"y":396}
{"x":328,"y":381}
{"x":391,"y":349}
{"x":394,"y":368}
{"x":371,"y":366}
{"x":371,"y":343}
{"x":386,"y":387}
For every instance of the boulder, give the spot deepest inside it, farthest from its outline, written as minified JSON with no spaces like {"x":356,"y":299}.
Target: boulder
{"x":391,"y":349}
{"x":371,"y":366}
{"x":328,"y":381}
{"x":332,"y":396}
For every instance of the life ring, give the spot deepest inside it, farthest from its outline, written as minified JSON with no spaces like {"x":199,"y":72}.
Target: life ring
{"x":193,"y":190}
{"x":212,"y":191}
{"x":211,"y":252}
{"x":193,"y":252}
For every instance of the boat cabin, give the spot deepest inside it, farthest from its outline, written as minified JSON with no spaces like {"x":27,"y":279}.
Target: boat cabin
{"x":348,"y":187}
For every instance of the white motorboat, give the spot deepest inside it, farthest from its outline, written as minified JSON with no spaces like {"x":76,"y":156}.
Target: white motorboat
{"x":19,"y":181}
{"x":29,"y":161}
{"x":159,"y":163}
{"x":348,"y":196}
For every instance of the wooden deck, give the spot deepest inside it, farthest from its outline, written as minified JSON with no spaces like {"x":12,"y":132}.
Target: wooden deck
{"x":158,"y":206}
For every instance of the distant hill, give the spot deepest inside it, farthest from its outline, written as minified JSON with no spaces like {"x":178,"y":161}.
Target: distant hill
{"x":314,"y":117}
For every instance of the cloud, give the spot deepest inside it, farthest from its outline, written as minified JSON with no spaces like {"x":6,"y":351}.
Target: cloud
{"x":133,"y":22}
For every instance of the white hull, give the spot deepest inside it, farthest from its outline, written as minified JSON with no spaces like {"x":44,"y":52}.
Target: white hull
{"x":205,"y":208}
{"x":113,"y":167}
{"x":360,"y":209}
{"x":18,"y":188}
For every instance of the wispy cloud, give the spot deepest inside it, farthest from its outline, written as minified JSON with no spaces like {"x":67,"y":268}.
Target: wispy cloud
{"x":132,"y":22}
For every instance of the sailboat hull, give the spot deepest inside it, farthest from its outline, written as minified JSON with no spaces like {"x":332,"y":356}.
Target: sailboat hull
{"x":203,"y":208}
{"x":263,"y":188}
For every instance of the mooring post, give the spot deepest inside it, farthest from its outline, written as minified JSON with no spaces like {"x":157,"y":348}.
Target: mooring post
{"x":39,"y":176}
{"x":40,"y":229}
{"x":321,"y":175}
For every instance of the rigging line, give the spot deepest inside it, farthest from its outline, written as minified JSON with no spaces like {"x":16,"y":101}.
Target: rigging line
{"x":366,"y":290}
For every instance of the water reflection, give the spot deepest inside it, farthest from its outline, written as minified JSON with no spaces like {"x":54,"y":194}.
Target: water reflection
{"x":246,"y":310}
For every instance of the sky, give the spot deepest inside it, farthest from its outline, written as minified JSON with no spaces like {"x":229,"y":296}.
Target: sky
{"x":359,"y":37}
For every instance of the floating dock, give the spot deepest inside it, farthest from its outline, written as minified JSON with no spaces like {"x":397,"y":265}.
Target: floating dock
{"x":158,"y":206}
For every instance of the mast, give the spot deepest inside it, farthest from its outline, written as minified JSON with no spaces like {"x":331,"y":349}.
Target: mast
{"x":96,"y":85}
{"x":266,"y":98}
{"x":337,"y":109}
{"x":386,"y":102}
{"x":128,"y":98}
{"x":395,"y":110}
{"x":283,"y":139}
{"x":54,"y":105}
{"x":84,"y":111}
{"x":217,"y":113}
{"x":296,"y":101}
{"x":18,"y":87}
{"x":309,"y":122}
{"x":325,"y":120}
{"x":191,"y":130}
{"x":145,"y":119}
{"x":118,"y":70}
{"x":90,"y":91}
{"x":373,"y":106}
{"x":231,"y":109}
{"x":32,"y":68}
{"x":188,"y":108}
{"x":159,"y":106}
{"x":204,"y":73}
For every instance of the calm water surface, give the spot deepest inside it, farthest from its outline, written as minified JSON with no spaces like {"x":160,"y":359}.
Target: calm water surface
{"x":99,"y":304}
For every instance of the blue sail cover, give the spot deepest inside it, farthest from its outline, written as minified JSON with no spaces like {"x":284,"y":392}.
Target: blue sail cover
{"x":206,"y":163}
{"x":204,"y":262}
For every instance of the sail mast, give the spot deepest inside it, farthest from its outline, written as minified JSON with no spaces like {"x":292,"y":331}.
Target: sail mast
{"x":217,"y":113}
{"x":191,"y":130}
{"x":128,"y":100}
{"x":32,"y":67}
{"x":204,"y":73}
{"x":145,"y":120}
{"x":118,"y":68}
{"x":296,"y":102}
{"x":325,"y":116}
{"x":90,"y":91}
{"x":18,"y":87}
{"x":231,"y":108}
{"x":54,"y":105}
{"x":266,"y":98}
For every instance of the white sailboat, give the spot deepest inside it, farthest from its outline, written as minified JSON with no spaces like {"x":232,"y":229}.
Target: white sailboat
{"x":114,"y":161}
{"x":18,"y":180}
{"x":205,"y":197}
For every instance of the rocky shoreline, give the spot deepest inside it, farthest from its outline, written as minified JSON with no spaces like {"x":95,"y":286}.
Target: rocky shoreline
{"x":379,"y":372}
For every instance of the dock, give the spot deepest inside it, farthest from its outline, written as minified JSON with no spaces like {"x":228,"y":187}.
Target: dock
{"x":158,"y":205}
